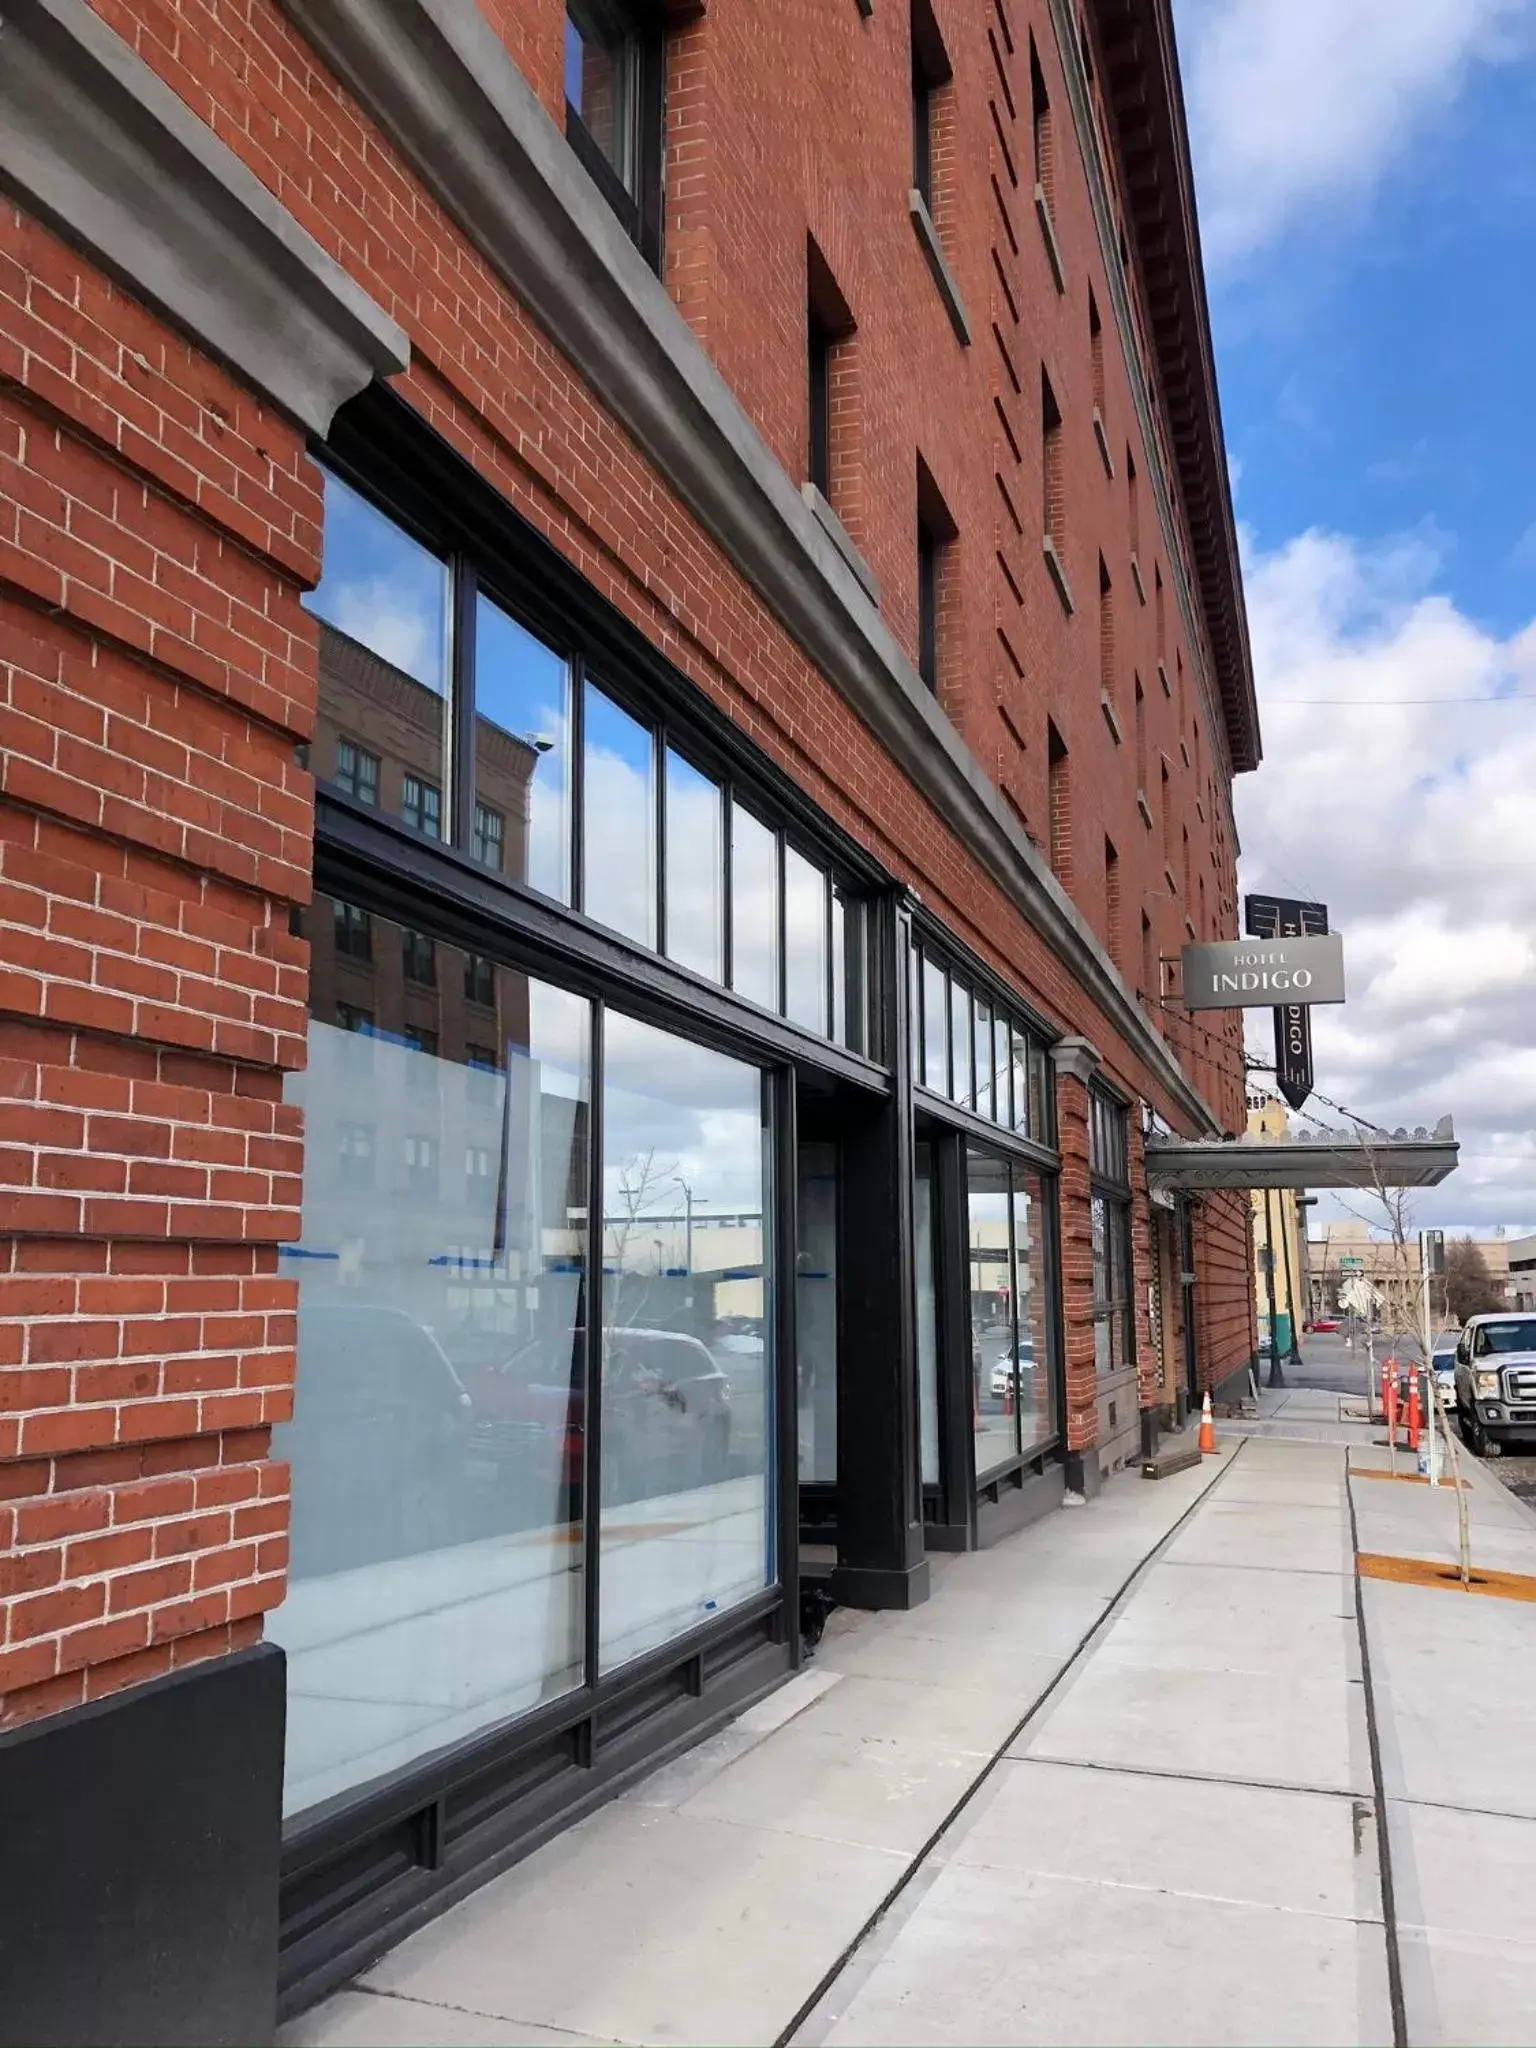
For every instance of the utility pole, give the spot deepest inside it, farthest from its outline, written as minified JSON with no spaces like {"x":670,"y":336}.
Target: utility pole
{"x":687,"y":1232}
{"x":1276,"y":1370}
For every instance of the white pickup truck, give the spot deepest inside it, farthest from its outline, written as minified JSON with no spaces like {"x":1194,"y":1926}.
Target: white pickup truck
{"x":1496,"y":1381}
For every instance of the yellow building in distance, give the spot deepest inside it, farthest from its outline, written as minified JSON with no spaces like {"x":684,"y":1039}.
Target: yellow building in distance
{"x":1279,"y":1243}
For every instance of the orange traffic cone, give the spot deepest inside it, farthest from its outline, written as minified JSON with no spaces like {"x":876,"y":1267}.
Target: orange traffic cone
{"x":1207,"y":1427}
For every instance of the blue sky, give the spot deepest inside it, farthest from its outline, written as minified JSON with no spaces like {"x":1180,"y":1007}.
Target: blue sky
{"x":1367,"y":189}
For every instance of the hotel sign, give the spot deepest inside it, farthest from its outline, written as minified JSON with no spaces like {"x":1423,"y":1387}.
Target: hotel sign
{"x":1263,"y":974}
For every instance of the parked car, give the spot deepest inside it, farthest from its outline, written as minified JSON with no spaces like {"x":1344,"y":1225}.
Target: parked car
{"x":379,"y":1439}
{"x":666,"y":1413}
{"x":1496,"y":1381}
{"x":1443,"y":1364}
{"x":1325,"y":1326}
{"x":1017,"y":1367}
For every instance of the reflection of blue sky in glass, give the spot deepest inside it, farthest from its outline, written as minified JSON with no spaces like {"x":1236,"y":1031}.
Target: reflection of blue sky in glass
{"x":573,"y":54}
{"x":380,"y":588}
{"x":935,"y":1028}
{"x":522,"y":687}
{"x":695,"y":869}
{"x":619,"y":820}
{"x":754,"y":910}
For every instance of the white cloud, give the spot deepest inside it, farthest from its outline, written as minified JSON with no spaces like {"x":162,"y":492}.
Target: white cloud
{"x":1293,"y":103}
{"x":1413,"y":822}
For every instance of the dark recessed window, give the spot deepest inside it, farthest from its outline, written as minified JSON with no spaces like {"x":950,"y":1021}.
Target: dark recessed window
{"x":614,"y":111}
{"x":829,"y":329}
{"x":819,"y":354}
{"x":421,"y":806}
{"x":930,"y":70}
{"x":418,"y":957}
{"x":487,"y":836}
{"x":357,"y":772}
{"x":354,"y":931}
{"x":935,"y":531}
{"x":479,"y":981}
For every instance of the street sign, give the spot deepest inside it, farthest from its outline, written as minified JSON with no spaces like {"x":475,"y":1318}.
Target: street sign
{"x":1248,"y":974}
{"x":1350,"y":1264}
{"x":1285,"y":917}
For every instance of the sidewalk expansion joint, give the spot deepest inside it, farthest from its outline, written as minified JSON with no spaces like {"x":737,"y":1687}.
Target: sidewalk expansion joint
{"x":1379,"y":1787}
{"x":1070,"y":1763}
{"x":1002,"y":1754}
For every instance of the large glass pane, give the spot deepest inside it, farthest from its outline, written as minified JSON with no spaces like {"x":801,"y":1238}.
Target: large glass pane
{"x":1103,"y":1284}
{"x":1002,"y":1067}
{"x":383,"y":606}
{"x":522,"y":754}
{"x":935,"y":1028}
{"x":687,"y":1435}
{"x":618,"y":819}
{"x":816,"y":1312}
{"x":695,"y":869}
{"x":1022,"y":1104}
{"x":1033,"y":1381}
{"x":990,"y":1266}
{"x":963,"y":1071}
{"x":600,"y":67}
{"x":1042,"y":1097}
{"x":927,"y":1319}
{"x":755,"y":919}
{"x":435,"y":1584}
{"x":984,"y":1076}
{"x":805,"y":943}
{"x":850,"y":971}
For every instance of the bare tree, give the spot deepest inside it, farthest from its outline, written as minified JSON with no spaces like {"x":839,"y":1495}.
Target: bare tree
{"x":1390,"y":1210}
{"x":640,"y":1179}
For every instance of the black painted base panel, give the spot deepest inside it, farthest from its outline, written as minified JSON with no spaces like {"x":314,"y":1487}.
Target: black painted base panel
{"x":1016,"y":1507}
{"x":139,"y":1847}
{"x":881,"y":1586}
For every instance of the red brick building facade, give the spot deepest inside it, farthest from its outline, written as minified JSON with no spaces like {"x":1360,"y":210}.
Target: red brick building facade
{"x":868,"y":405}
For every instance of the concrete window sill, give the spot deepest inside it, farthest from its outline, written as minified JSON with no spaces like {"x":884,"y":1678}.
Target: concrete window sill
{"x":1048,"y":230}
{"x":1145,"y":808}
{"x":1102,"y":438}
{"x":1141,"y":588}
{"x":949,"y":291}
{"x":1162,"y":677}
{"x":1058,"y":574}
{"x":1110,"y":719}
{"x":842,"y":540}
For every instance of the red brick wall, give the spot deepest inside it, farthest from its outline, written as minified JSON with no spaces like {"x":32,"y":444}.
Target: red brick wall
{"x":155,"y":526}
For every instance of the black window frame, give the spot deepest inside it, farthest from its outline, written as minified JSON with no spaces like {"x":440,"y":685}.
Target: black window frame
{"x":381,"y":449}
{"x":641,"y":30}
{"x":931,"y":71}
{"x":1109,"y":1184}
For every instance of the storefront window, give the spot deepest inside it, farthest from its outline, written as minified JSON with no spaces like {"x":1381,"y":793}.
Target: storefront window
{"x":1113,"y":1322}
{"x":816,"y":1312}
{"x":522,"y":755}
{"x":695,"y":877}
{"x":436,"y":1447}
{"x":962,"y":1069}
{"x":935,"y":1028}
{"x":927,"y":1318}
{"x":383,"y":606}
{"x":619,"y":819}
{"x":1035,"y":1380}
{"x":985,"y":1093}
{"x":805,"y":943}
{"x":687,"y":1446}
{"x":990,"y":1266}
{"x":755,"y":925}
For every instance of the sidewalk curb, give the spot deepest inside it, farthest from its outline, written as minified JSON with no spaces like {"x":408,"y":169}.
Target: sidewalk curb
{"x":921,"y":1858}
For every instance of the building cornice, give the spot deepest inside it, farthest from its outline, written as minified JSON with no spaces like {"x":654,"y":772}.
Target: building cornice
{"x":1145,"y":104}
{"x":439,"y":82}
{"x":107,"y":153}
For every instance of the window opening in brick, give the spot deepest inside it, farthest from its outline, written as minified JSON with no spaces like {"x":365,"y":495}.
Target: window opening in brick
{"x":487,"y":837}
{"x":1058,"y":773}
{"x":1132,"y":505}
{"x":935,"y":533}
{"x":614,"y":111}
{"x":1040,"y":119}
{"x":1149,"y":986}
{"x":1106,"y":632}
{"x":1096,"y":351}
{"x":418,"y":958}
{"x":931,"y":70}
{"x":1112,"y":899}
{"x":1157,"y":598}
{"x":421,"y":806}
{"x":1166,"y":800}
{"x":1051,"y":463}
{"x":353,"y":931}
{"x":357,"y":771}
{"x":1141,"y":736}
{"x":829,"y":328}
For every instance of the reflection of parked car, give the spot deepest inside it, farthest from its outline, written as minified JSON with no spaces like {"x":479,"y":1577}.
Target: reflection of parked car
{"x":1496,"y":1381}
{"x":1015,"y":1366}
{"x":666,"y":1413}
{"x":378,"y":1440}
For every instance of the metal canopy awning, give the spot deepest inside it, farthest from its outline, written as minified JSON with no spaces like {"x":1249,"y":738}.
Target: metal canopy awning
{"x":1322,"y":1159}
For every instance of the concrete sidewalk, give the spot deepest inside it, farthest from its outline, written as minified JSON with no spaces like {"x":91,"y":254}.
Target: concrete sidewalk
{"x":1117,"y":1782}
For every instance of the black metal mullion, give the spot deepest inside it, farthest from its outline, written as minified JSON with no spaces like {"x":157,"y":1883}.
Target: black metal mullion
{"x":781,"y":1104}
{"x":782,"y":1005}
{"x":592,"y":1400}
{"x":957,"y":1426}
{"x":576,"y":852}
{"x":459,"y":791}
{"x":659,"y":745}
{"x":728,"y":914}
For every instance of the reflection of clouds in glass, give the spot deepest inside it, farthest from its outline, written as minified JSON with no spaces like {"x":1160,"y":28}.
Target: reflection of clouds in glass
{"x":522,"y":687}
{"x":619,"y":820}
{"x":754,"y":910}
{"x":695,"y":869}
{"x":381,"y":589}
{"x":558,"y":1030}
{"x":671,"y":1108}
{"x":805,"y":942}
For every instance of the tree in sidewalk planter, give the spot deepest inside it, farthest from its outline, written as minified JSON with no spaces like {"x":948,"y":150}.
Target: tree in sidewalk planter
{"x":1470,"y":1288}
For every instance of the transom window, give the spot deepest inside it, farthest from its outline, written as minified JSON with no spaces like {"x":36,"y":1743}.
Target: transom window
{"x":564,"y":781}
{"x":975,"y":1052}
